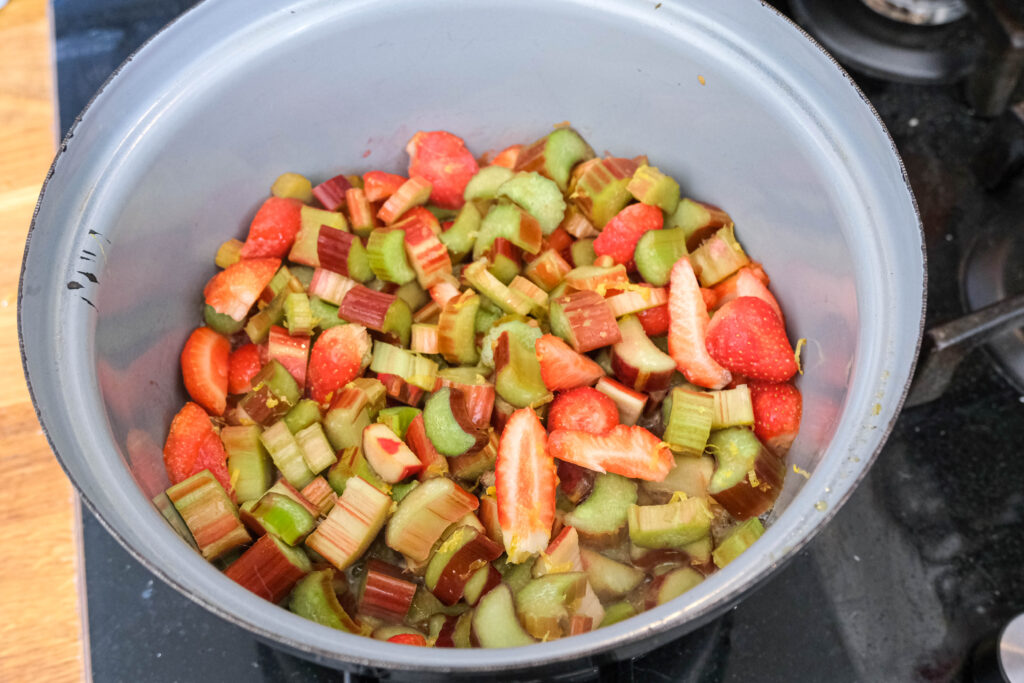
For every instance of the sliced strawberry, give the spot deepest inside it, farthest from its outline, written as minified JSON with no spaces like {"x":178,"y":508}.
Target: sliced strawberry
{"x":747,"y":337}
{"x":378,"y":185}
{"x":655,"y":320}
{"x":710,"y":298}
{"x":688,"y":322}
{"x":409,"y":639}
{"x":507,"y":157}
{"x":442,"y":159}
{"x":584,"y":409}
{"x":746,"y":283}
{"x":524,"y":485}
{"x":619,"y":237}
{"x":273,"y":230}
{"x":777,"y":411}
{"x":563,"y":368}
{"x":243,"y":364}
{"x":204,"y":367}
{"x":339,"y":355}
{"x":629,"y":451}
{"x":235,"y":289}
{"x":193,"y":446}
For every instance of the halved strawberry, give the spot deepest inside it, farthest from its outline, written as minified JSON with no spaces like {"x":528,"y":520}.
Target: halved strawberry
{"x":747,"y":337}
{"x":273,"y":230}
{"x":777,"y":411}
{"x":507,"y":157}
{"x":243,"y":364}
{"x":409,"y":639}
{"x":193,"y":446}
{"x":204,"y":367}
{"x":378,"y":185}
{"x":619,"y":237}
{"x":339,"y":355}
{"x":655,"y":320}
{"x":746,"y":282}
{"x":688,"y":318}
{"x":524,"y":485}
{"x":584,"y":409}
{"x":563,"y":368}
{"x":442,"y":159}
{"x":235,"y":289}
{"x":629,"y":451}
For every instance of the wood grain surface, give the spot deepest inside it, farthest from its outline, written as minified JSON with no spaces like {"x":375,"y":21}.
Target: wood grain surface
{"x":40,"y":615}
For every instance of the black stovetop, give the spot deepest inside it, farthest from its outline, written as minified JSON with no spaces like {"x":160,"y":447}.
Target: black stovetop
{"x":922,"y":562}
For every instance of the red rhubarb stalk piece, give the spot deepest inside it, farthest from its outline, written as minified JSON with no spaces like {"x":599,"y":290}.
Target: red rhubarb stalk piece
{"x":267,"y":569}
{"x":433,"y":463}
{"x":331,"y":193}
{"x":386,"y":594}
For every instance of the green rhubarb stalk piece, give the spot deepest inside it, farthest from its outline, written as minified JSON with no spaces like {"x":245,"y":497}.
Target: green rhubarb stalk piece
{"x":733,"y":408}
{"x":545,"y":603}
{"x":352,"y":463}
{"x":609,"y":579}
{"x":249,"y":465}
{"x":316,"y":449}
{"x":483,"y":281}
{"x":690,"y":477}
{"x":386,"y":253}
{"x":410,"y":366}
{"x":443,"y":429}
{"x":738,"y":540}
{"x":582,"y":252}
{"x":538,"y":196}
{"x":170,"y":513}
{"x":325,"y":315}
{"x":617,"y":612}
{"x":495,"y":622}
{"x":749,"y":477}
{"x":280,"y":515}
{"x":297,"y":314}
{"x":287,"y":454}
{"x":656,"y":253}
{"x":314,"y":598}
{"x":354,"y":407}
{"x":293,"y":186}
{"x":673,"y":584}
{"x":523,"y":332}
{"x":229,"y":253}
{"x":600,"y":189}
{"x":424,"y":514}
{"x":209,"y":514}
{"x":601,"y":517}
{"x":510,"y":222}
{"x":698,"y":220}
{"x":402,"y":489}
{"x":673,"y":525}
{"x":354,"y":521}
{"x":274,"y":392}
{"x":485,"y":184}
{"x":547,"y":270}
{"x":258,"y":326}
{"x":650,"y":186}
{"x":517,"y":377}
{"x":456,"y":329}
{"x":461,"y":235}
{"x":555,"y":155}
{"x":304,"y":413}
{"x":718,"y":257}
{"x":398,"y":418}
{"x":689,"y":422}
{"x":222,"y":322}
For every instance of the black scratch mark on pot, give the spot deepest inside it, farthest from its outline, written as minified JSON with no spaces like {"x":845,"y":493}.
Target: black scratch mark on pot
{"x":90,"y":303}
{"x":97,"y":234}
{"x":89,"y":276}
{"x":86,"y":251}
{"x":74,"y":285}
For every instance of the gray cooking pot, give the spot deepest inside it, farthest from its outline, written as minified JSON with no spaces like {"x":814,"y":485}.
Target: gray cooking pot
{"x":179,"y":148}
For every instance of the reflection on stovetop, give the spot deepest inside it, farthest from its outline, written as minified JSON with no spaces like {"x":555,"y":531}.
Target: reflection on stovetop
{"x":922,"y":562}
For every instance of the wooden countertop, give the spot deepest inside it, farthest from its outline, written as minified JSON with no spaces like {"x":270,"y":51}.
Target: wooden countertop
{"x":41,"y":625}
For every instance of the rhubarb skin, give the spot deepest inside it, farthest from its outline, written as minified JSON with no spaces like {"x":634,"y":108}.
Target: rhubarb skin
{"x":266,"y":569}
{"x":355,"y":521}
{"x":588,"y":322}
{"x":386,"y":594}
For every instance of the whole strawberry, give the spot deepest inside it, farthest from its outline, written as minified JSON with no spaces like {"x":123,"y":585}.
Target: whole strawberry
{"x":777,"y":411}
{"x":747,"y":338}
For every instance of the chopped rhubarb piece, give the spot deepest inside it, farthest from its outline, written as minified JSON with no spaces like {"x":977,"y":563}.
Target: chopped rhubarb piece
{"x":287,"y":454}
{"x":597,"y":278}
{"x":339,"y":355}
{"x":736,"y":408}
{"x":209,"y":514}
{"x":584,"y":320}
{"x":651,"y":186}
{"x":273,"y":229}
{"x":331,"y":193}
{"x":304,"y":250}
{"x":517,"y":377}
{"x":563,"y":368}
{"x":547,"y":270}
{"x":379,"y":185}
{"x":360,"y":211}
{"x":718,"y":257}
{"x":298,"y":314}
{"x":424,"y":514}
{"x":316,"y":449}
{"x":419,"y":217}
{"x":577,"y":225}
{"x":424,"y":339}
{"x":539,"y":197}
{"x":315,"y":598}
{"x":433,"y":463}
{"x":342,"y":252}
{"x":507,"y":157}
{"x":443,"y":160}
{"x":474,"y":464}
{"x":414,"y":192}
{"x":449,"y":571}
{"x":444,"y":291}
{"x":456,"y":329}
{"x":629,"y":451}
{"x":525,"y":486}
{"x":748,"y":477}
{"x":293,"y":186}
{"x":270,"y":568}
{"x":400,"y":390}
{"x":554,"y":155}
{"x":229,"y":253}
{"x":630,"y":403}
{"x":330,"y":286}
{"x":428,"y":314}
{"x":411,"y":367}
{"x":495,"y":623}
{"x":600,"y":186}
{"x":385,"y":252}
{"x":575,"y":482}
{"x":637,"y":362}
{"x":386,"y":595}
{"x":320,"y":494}
{"x":204,"y":367}
{"x":351,"y":526}
{"x":689,"y":323}
{"x":600,"y":520}
{"x":273,"y":394}
{"x":562,"y":554}
{"x":698,"y":220}
{"x":481,"y":279}
{"x":477,"y":392}
{"x":428,"y":256}
{"x":739,"y":539}
{"x":378,"y":311}
{"x":249,"y":466}
{"x":281,"y":516}
{"x":636,"y":300}
{"x":234,"y":290}
{"x":290,"y":351}
{"x":388,"y":455}
{"x":537,"y":296}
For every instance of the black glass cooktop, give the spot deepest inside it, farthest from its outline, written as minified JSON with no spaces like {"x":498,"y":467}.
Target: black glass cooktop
{"x":921,"y":563}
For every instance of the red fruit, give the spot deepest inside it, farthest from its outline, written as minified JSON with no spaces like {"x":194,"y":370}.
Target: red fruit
{"x":507,"y":157}
{"x":235,"y":289}
{"x":378,"y":185}
{"x":747,"y":337}
{"x":243,"y":364}
{"x":563,"y":368}
{"x":619,"y":237}
{"x":273,"y":230}
{"x":193,"y":446}
{"x":524,"y":486}
{"x":629,"y":451}
{"x":777,"y":411}
{"x":409,"y":639}
{"x":655,"y":320}
{"x":442,"y":159}
{"x":204,"y":367}
{"x":339,"y":355}
{"x":688,"y":318}
{"x":583,"y":409}
{"x":746,"y":283}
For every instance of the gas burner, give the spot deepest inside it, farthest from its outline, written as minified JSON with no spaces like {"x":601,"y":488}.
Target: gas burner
{"x":993,"y":271}
{"x":919,"y":12}
{"x":909,"y":41}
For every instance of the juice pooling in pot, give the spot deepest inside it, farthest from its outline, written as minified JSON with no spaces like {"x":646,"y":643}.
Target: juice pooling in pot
{"x":486,"y":403}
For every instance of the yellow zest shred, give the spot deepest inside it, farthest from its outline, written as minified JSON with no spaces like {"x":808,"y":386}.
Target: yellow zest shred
{"x":752,"y":478}
{"x":272,"y":402}
{"x":677,"y":496}
{"x":235,"y":473}
{"x":802,"y":472}
{"x":796,"y":353}
{"x":491,"y":491}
